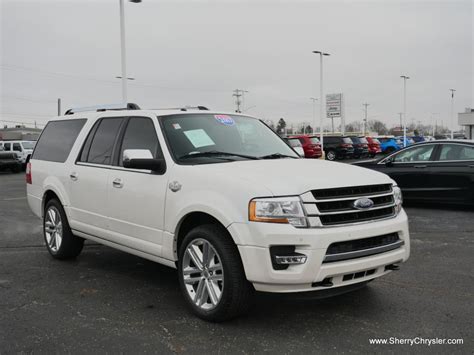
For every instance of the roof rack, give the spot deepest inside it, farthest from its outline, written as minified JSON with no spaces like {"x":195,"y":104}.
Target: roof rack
{"x":185,"y":108}
{"x":100,"y":108}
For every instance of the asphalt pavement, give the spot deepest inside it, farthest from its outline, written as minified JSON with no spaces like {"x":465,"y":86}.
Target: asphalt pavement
{"x":110,"y":301}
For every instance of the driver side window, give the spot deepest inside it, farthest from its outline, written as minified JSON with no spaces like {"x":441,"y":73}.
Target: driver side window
{"x":415,"y":154}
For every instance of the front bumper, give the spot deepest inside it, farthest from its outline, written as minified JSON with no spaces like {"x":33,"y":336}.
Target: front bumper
{"x":256,"y":239}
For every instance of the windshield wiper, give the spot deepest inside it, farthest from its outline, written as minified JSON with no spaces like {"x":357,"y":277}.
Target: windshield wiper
{"x":277,"y":156}
{"x":216,"y":153}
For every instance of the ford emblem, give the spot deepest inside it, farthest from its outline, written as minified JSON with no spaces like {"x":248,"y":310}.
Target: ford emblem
{"x":363,"y":203}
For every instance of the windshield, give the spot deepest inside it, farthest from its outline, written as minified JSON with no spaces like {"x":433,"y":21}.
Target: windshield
{"x":355,"y":140}
{"x":28,"y":145}
{"x":294,"y":142}
{"x":194,"y":134}
{"x":375,"y":140}
{"x":347,"y":140}
{"x":314,"y":140}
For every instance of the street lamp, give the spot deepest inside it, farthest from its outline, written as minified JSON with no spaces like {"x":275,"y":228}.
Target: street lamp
{"x":405,"y":78}
{"x":123,"y":49}
{"x":314,"y":112}
{"x":452,"y":112}
{"x":321,"y":97}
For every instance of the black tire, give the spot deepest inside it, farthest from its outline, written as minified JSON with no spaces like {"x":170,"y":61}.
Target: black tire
{"x":331,"y":155}
{"x":16,"y":169}
{"x":237,"y":292}
{"x":70,"y":245}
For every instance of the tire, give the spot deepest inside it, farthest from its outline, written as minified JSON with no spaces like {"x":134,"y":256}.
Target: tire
{"x":16,"y":169}
{"x":60,"y":241}
{"x":223,"y":274}
{"x":331,"y":155}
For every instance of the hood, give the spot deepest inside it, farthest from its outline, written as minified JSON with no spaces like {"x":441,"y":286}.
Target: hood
{"x":297,"y":176}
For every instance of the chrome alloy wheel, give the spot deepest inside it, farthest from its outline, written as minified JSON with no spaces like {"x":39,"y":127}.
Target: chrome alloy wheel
{"x":53,"y":229}
{"x":203,"y":274}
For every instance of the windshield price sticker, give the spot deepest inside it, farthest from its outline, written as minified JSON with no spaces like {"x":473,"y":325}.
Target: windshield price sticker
{"x":225,"y":120}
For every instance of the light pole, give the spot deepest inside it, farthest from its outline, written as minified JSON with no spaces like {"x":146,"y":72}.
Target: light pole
{"x":365,"y":119}
{"x":314,"y":112}
{"x":433,"y":123}
{"x":452,"y":112}
{"x":123,"y":51}
{"x":405,"y":78}
{"x":321,"y":98}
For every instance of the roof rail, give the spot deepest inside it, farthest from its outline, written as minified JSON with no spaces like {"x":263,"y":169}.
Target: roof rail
{"x":185,"y":108}
{"x":99,"y":108}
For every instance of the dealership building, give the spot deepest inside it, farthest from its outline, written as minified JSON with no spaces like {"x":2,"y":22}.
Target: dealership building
{"x":466,"y":119}
{"x":19,"y":133}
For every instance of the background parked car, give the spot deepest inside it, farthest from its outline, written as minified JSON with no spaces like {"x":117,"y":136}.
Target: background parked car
{"x":438,"y":171}
{"x":310,"y":144}
{"x":361,"y":147}
{"x":296,"y":145}
{"x":388,"y":144}
{"x":23,"y":149}
{"x":9,"y":161}
{"x":418,"y":139}
{"x":338,"y":147}
{"x":409,"y":141}
{"x":374,"y":146}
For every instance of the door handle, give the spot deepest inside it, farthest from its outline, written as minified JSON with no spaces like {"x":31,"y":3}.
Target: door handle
{"x":74,"y":176}
{"x":471,"y":166}
{"x":421,"y":166}
{"x":117,"y":183}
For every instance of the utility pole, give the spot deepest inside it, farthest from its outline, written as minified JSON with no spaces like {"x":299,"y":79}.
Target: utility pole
{"x":365,"y":119}
{"x":452,"y":112}
{"x":238,"y":94}
{"x":59,"y":107}
{"x":314,"y":112}
{"x":401,"y":125}
{"x":321,"y":99}
{"x":405,"y":78}
{"x":434,"y":123}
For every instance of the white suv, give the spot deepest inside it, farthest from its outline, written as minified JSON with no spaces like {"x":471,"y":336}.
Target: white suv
{"x":220,"y":197}
{"x":23,"y":149}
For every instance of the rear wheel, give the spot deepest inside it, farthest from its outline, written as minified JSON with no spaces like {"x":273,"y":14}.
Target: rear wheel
{"x":60,"y":241}
{"x":331,"y":155}
{"x":211,"y":274}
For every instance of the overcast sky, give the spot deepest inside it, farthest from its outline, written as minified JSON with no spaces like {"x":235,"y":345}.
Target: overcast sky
{"x":198,"y":52}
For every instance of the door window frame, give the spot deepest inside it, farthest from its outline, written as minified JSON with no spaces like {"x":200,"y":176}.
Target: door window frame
{"x":451,"y":161}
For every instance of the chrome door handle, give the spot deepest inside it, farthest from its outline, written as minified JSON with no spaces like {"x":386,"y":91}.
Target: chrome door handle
{"x":117,"y":183}
{"x":73,"y":176}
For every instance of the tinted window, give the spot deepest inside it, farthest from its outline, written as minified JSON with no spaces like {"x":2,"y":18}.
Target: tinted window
{"x":421,"y":153}
{"x":329,"y":139}
{"x":347,"y":140}
{"x":28,"y":145}
{"x":139,"y":134}
{"x":294,"y":142}
{"x":301,"y":140}
{"x":57,"y":139}
{"x":17,"y":147}
{"x":456,"y":152}
{"x":314,"y":140}
{"x":363,"y":140}
{"x":7,"y":146}
{"x":102,"y":145}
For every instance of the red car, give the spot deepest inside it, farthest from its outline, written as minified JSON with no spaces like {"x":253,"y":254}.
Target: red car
{"x":311,"y":146}
{"x":374,"y":146}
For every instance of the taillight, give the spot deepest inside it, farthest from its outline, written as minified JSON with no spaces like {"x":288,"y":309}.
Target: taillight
{"x":28,"y":173}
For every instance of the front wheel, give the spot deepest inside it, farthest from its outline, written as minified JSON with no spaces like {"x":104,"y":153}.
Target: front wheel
{"x":331,"y":155}
{"x":211,"y":275}
{"x":60,"y":241}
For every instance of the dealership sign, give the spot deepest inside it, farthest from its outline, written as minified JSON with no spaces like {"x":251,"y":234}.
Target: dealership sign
{"x":333,"y":105}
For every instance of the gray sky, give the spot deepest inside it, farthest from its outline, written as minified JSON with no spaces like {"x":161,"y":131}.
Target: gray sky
{"x":197,"y":52}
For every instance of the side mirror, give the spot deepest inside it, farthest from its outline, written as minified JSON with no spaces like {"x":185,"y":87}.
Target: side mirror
{"x":389,"y":162}
{"x":143,"y":159}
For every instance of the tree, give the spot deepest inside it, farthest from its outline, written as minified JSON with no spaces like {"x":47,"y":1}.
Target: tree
{"x":281,"y":126}
{"x":378,"y":126}
{"x":353,"y":127}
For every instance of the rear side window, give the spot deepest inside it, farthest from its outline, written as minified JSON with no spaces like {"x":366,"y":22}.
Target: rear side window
{"x":456,"y":152}
{"x":139,"y":134}
{"x":99,"y":146}
{"x":7,"y":146}
{"x":57,"y":139}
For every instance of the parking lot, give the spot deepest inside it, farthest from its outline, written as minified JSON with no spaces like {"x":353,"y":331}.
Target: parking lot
{"x":109,"y":301}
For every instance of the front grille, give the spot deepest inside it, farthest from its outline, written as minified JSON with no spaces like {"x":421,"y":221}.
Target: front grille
{"x":357,"y":248}
{"x":337,"y":206}
{"x":354,"y":191}
{"x":359,"y":216}
{"x":344,"y":205}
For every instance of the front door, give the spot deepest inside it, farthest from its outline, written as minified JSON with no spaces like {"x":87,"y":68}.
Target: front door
{"x":136,"y":198}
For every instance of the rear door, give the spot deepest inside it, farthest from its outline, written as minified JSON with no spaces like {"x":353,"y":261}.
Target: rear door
{"x":411,"y":169}
{"x":136,"y":198}
{"x":88,"y":178}
{"x":453,"y":172}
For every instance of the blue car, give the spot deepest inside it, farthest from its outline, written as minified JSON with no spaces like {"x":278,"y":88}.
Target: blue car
{"x":418,"y":139}
{"x":409,"y":141}
{"x":388,"y":144}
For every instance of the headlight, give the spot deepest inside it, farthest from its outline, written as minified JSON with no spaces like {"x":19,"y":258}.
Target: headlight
{"x":397,"y":196}
{"x":278,"y":210}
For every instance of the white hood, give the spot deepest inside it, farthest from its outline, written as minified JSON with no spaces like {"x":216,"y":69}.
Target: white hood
{"x":297,"y":176}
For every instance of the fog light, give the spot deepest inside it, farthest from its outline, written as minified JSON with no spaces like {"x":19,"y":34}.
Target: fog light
{"x":290,"y":259}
